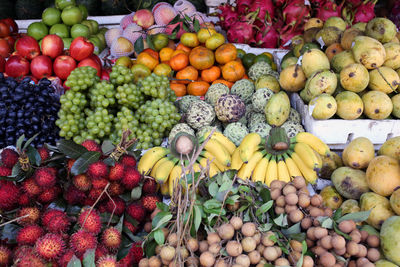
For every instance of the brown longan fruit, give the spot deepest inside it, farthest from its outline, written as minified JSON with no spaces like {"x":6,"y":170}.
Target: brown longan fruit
{"x":192,"y":244}
{"x":306,"y":223}
{"x":296,"y":245}
{"x":364,"y":235}
{"x":194,"y":262}
{"x":326,"y":242}
{"x":147,"y":227}
{"x":254,"y":257}
{"x":299,"y":182}
{"x":233,"y":248}
{"x":355,"y":236}
{"x":304,"y":190}
{"x":362,"y":261}
{"x":291,"y":199}
{"x":328,"y":212}
{"x":144,"y":262}
{"x":340,"y":252}
{"x":203,"y":246}
{"x":327,"y":259}
{"x":248,"y":244}
{"x":310,"y":233}
{"x":338,"y":242}
{"x":316,"y":201}
{"x":320,"y":232}
{"x":226,"y":231}
{"x":289,"y":189}
{"x":265,"y":239}
{"x":257,"y":237}
{"x":213,"y":238}
{"x":352,"y":248}
{"x":362,"y":251}
{"x":221,"y":263}
{"x":304,"y":200}
{"x":207,"y":259}
{"x":308,"y":261}
{"x":279,"y":210}
{"x":158,"y":249}
{"x":248,"y":229}
{"x":309,"y":243}
{"x":318,"y":250}
{"x":260,"y":248}
{"x":373,"y":241}
{"x":270,"y":253}
{"x":277,"y":184}
{"x":373,"y":254}
{"x":279,"y":250}
{"x":316,"y":223}
{"x":347,"y":226}
{"x":275,"y":193}
{"x":352,"y":264}
{"x":236,"y":222}
{"x":215,"y":248}
{"x":368,"y":264}
{"x":243,"y":260}
{"x":315,"y":212}
{"x":280,"y":201}
{"x":290,"y":208}
{"x":172,"y":239}
{"x":281,"y":262}
{"x":154,"y":261}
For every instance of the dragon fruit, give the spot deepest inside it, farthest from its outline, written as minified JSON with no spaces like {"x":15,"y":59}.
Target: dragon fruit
{"x":241,"y":32}
{"x":170,"y":28}
{"x":395,"y":14}
{"x":268,"y":37}
{"x":296,"y":11}
{"x":329,"y":9}
{"x":279,"y":3}
{"x":365,"y":12}
{"x":354,"y":3}
{"x":265,"y":9}
{"x":287,"y":33}
{"x":243,"y":6}
{"x":317,"y":3}
{"x":228,"y":15}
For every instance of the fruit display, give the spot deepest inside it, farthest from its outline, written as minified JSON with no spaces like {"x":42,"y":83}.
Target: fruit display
{"x":8,"y":35}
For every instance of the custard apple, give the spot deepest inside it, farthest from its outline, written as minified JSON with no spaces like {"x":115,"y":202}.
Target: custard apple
{"x":258,"y":69}
{"x":243,"y":120}
{"x":249,"y":111}
{"x":185,"y":102}
{"x":236,"y":131}
{"x":262,"y":128}
{"x":260,"y":99}
{"x":214,"y":92}
{"x":200,"y":114}
{"x":256,"y":118}
{"x":294,"y":116}
{"x":180,"y":127}
{"x":292,"y":128}
{"x":244,"y":88}
{"x":229,"y":108}
{"x":205,"y":129}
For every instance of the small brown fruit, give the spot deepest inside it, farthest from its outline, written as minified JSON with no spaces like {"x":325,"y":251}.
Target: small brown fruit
{"x":248,"y":244}
{"x":327,"y":259}
{"x":254,"y":257}
{"x":291,"y":199}
{"x":233,"y":248}
{"x":158,"y":249}
{"x":320,"y":232}
{"x":315,"y":212}
{"x":154,"y":261}
{"x":290,"y":208}
{"x":340,"y":252}
{"x":326,"y":242}
{"x":355,"y":236}
{"x":243,"y":260}
{"x":328,"y":212}
{"x":338,"y":242}
{"x":280,"y":201}
{"x":203,"y":246}
{"x":289,"y":189}
{"x":318,"y":250}
{"x":304,"y":190}
{"x":207,"y":259}
{"x":184,"y":252}
{"x":260,"y":248}
{"x":347,"y":226}
{"x":362,"y":251}
{"x":364,"y":235}
{"x":279,"y":210}
{"x":352,"y":248}
{"x":373,"y":254}
{"x":248,"y":229}
{"x":310,"y":233}
{"x":277,"y":184}
{"x":257,"y":237}
{"x":270,"y":253}
{"x":316,"y":201}
{"x":167,"y":253}
{"x":294,"y":256}
{"x":213,"y":238}
{"x":192,"y":262}
{"x":296,"y":245}
{"x":226,"y":231}
{"x":281,"y":262}
{"x":236,"y":222}
{"x":309,"y":243}
{"x":144,"y":262}
{"x":147,"y":227}
{"x":275,"y":193}
{"x":352,"y":264}
{"x":279,"y":250}
{"x":316,"y":223}
{"x":165,"y":232}
{"x":214,"y":248}
{"x":266,"y":239}
{"x":299,"y":182}
{"x":373,"y":241}
{"x":306,"y":223}
{"x":304,"y":200}
{"x":221,"y":263}
{"x":362,"y":261}
{"x":308,"y":261}
{"x":233,"y":207}
{"x":192,"y":244}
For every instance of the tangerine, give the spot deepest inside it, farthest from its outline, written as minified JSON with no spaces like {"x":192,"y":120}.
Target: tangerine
{"x":198,"y":88}
{"x":147,"y":60}
{"x":211,"y":74}
{"x":178,"y":88}
{"x":189,"y":73}
{"x":233,"y":71}
{"x":179,"y":61}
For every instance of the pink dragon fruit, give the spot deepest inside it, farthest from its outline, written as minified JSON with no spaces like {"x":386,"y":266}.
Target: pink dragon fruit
{"x":279,"y":3}
{"x":268,"y":37}
{"x":365,"y":12}
{"x":243,"y":6}
{"x":241,"y":32}
{"x":296,"y":11}
{"x":265,"y":8}
{"x":354,"y":3}
{"x":170,"y":28}
{"x":329,"y":9}
{"x":228,"y":15}
{"x":287,"y":33}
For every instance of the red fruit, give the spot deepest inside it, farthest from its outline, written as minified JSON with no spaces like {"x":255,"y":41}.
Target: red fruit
{"x":5,"y":256}
{"x":101,"y":251}
{"x":22,"y":250}
{"x":265,"y":9}
{"x":107,"y":261}
{"x":267,"y":38}
{"x":365,"y":12}
{"x":52,"y":45}
{"x":44,"y":153}
{"x":115,"y":189}
{"x":105,"y":75}
{"x":50,"y":246}
{"x":49,"y":195}
{"x":149,"y":186}
{"x":131,"y":227}
{"x":11,"y":41}
{"x":144,"y":18}
{"x":55,"y":221}
{"x":30,"y":259}
{"x":150,"y":202}
{"x":136,"y":211}
{"x":30,"y":187}
{"x":99,"y":183}
{"x":128,"y":161}
{"x":90,"y":221}
{"x":111,"y":238}
{"x":9,"y":157}
{"x":91,"y":145}
{"x":91,"y":63}
{"x":63,"y":66}
{"x":98,"y":170}
{"x":5,"y":49}
{"x":116,"y":172}
{"x":9,"y":194}
{"x":117,"y":206}
{"x":329,"y":9}
{"x":24,"y":200}
{"x":136,"y":252}
{"x":82,"y":182}
{"x":45,"y":177}
{"x":81,"y":48}
{"x":29,"y":234}
{"x":65,"y":259}
{"x":241,"y":32}
{"x":74,"y":196}
{"x":11,"y":24}
{"x":17,"y":66}
{"x":95,"y":194}
{"x":32,"y":218}
{"x":2,"y":64}
{"x":82,"y":241}
{"x":41,"y":66}
{"x":131,"y":178}
{"x":27,"y":47}
{"x":4,"y":171}
{"x":296,"y":11}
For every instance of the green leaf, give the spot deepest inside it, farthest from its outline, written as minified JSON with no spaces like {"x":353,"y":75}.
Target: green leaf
{"x":186,"y":26}
{"x":159,"y":236}
{"x":196,"y":25}
{"x":34,"y":156}
{"x":107,"y":147}
{"x":29,"y":141}
{"x":136,"y":193}
{"x":356,"y":216}
{"x":74,"y":262}
{"x":175,"y":20}
{"x":244,"y":189}
{"x":120,"y":224}
{"x":139,"y":45}
{"x":16,"y":170}
{"x":338,"y":214}
{"x":9,"y":232}
{"x":212,"y":204}
{"x":213,"y":189}
{"x":88,"y":258}
{"x":269,"y":265}
{"x":265,"y":194}
{"x":71,"y":149}
{"x":264,"y":208}
{"x":281,"y":220}
{"x":294,"y":229}
{"x":162,"y":206}
{"x":83,"y":162}
{"x":19,"y":142}
{"x":150,"y":249}
{"x":327,"y":223}
{"x":164,"y":217}
{"x":197,"y":217}
{"x":225,"y":186}
{"x":265,"y":227}
{"x":232,"y":200}
{"x":149,"y":40}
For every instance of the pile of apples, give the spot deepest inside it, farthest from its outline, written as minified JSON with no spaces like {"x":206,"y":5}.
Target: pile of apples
{"x":8,"y":35}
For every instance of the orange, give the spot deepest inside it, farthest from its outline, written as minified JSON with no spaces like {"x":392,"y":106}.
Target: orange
{"x":166,"y":54}
{"x":189,"y":39}
{"x":211,"y":74}
{"x":163,"y":70}
{"x":203,"y":34}
{"x":189,"y":73}
{"x":183,"y":48}
{"x":176,"y":52}
{"x":201,"y":58}
{"x":332,"y":50}
{"x":233,"y":71}
{"x":225,"y":53}
{"x":147,"y":60}
{"x":229,"y":84}
{"x":179,"y":61}
{"x":198,"y":88}
{"x":178,"y":88}
{"x":151,"y":52}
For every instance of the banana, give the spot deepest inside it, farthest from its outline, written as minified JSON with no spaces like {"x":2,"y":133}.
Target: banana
{"x":150,"y":158}
{"x":158,"y":163}
{"x":212,"y":158}
{"x":236,"y":160}
{"x":219,"y":151}
{"x":313,"y":141}
{"x":283,"y":172}
{"x":213,"y":169}
{"x":164,"y":170}
{"x":272,"y":171}
{"x":164,"y":189}
{"x":292,"y":167}
{"x":308,"y":156}
{"x":247,"y":169}
{"x":228,"y":144}
{"x":174,"y":177}
{"x":309,"y":174}
{"x":248,"y":146}
{"x":261,"y":169}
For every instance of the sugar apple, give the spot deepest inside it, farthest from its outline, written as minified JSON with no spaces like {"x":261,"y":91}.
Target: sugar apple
{"x":249,"y":111}
{"x":243,"y":120}
{"x":214,"y":92}
{"x":292,"y":128}
{"x":262,"y":128}
{"x":244,"y":88}
{"x":294,"y":116}
{"x":236,"y":131}
{"x":200,"y":114}
{"x":205,"y":129}
{"x":185,"y":102}
{"x":180,"y":127}
{"x":258,"y":69}
{"x":260,"y":99}
{"x":255,"y":118}
{"x":229,"y":108}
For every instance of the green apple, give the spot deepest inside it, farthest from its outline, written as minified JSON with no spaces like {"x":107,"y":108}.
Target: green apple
{"x":103,"y":30}
{"x":61,"y":4}
{"x":84,"y":11}
{"x":102,"y":38}
{"x":67,"y":42}
{"x":37,"y":30}
{"x":98,"y":46}
{"x":71,"y":15}
{"x":89,"y":25}
{"x":60,"y":30}
{"x":95,"y":26}
{"x":51,"y":16}
{"x":80,"y":30}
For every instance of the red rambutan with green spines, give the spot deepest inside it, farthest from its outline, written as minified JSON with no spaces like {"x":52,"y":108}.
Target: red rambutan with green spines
{"x":149,"y":186}
{"x":90,"y":220}
{"x":45,"y":177}
{"x":44,"y":153}
{"x":5,"y":256}
{"x":82,"y":182}
{"x":115,"y":189}
{"x":149,"y":202}
{"x":116,"y":172}
{"x":5,"y":171}
{"x":100,"y":183}
{"x":9,"y":195}
{"x":49,"y":195}
{"x":130,"y":227}
{"x":96,"y":193}
{"x":29,"y":234}
{"x":91,"y":145}
{"x":136,"y":252}
{"x":128,"y":161}
{"x":74,"y":196}
{"x":9,"y":157}
{"x":50,"y":246}
{"x":24,"y":200}
{"x":89,"y":202}
{"x":32,"y":218}
{"x":66,"y":258}
{"x":111,"y":239}
{"x":101,"y":207}
{"x":22,"y":250}
{"x":98,"y":170}
{"x":31,"y":187}
{"x":117,"y":203}
{"x":82,"y":241}
{"x":136,"y":211}
{"x":55,"y":221}
{"x":131,"y":178}
{"x":107,"y":261}
{"x":29,"y":260}
{"x":101,"y":251}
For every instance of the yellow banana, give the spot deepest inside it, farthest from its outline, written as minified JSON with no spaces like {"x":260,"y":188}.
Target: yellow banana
{"x":283,"y":172}
{"x":314,"y":142}
{"x":236,"y":160}
{"x":248,"y":146}
{"x":247,"y":169}
{"x":212,"y":158}
{"x":309,"y":174}
{"x":150,"y":158}
{"x":272,"y":171}
{"x":219,"y":151}
{"x":228,"y":144}
{"x":261,"y":169}
{"x":164,"y":189}
{"x":158,"y":163}
{"x":308,"y":156}
{"x":292,"y":167}
{"x":163,"y":171}
{"x":174,"y":177}
{"x":213,"y":169}
{"x":318,"y":157}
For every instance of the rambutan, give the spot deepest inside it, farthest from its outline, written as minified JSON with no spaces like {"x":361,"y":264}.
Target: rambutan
{"x":74,"y":196}
{"x":50,"y":246}
{"x":131,"y":178}
{"x":136,"y":252}
{"x":30,"y":259}
{"x":116,"y":172}
{"x":29,"y":234}
{"x":44,"y":153}
{"x":99,"y":183}
{"x":45,"y":177}
{"x":111,"y":238}
{"x":118,"y":204}
{"x":82,"y":241}
{"x":91,"y":145}
{"x":31,"y":187}
{"x":150,"y":202}
{"x":89,"y":202}
{"x":49,"y":195}
{"x":95,"y":194}
{"x":5,"y":255}
{"x":55,"y":221}
{"x":32,"y":218}
{"x":70,"y":163}
{"x":9,"y":157}
{"x":115,"y":189}
{"x":101,"y":251}
{"x":131,"y":227}
{"x":82,"y":182}
{"x":65,"y":258}
{"x":22,"y":250}
{"x":107,"y":261}
{"x":136,"y":211}
{"x":98,"y":170}
{"x":9,"y":194}
{"x":128,"y":161}
{"x":149,"y":186}
{"x":5,"y":171}
{"x":90,"y":221}
{"x":24,"y":200}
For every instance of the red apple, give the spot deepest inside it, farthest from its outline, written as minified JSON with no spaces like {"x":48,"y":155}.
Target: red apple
{"x":41,"y":66}
{"x":81,"y":48}
{"x":5,"y":48}
{"x":27,"y":47}
{"x":11,"y":24}
{"x":4,"y":30}
{"x":63,"y":65}
{"x":52,"y":45}
{"x":96,"y":58}
{"x":11,"y":41}
{"x":105,"y":75}
{"x":17,"y":66}
{"x":91,"y":63}
{"x":2,"y":64}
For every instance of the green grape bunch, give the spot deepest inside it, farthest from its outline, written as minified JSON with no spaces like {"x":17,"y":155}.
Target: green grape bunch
{"x":102,"y":94}
{"x":99,"y":123}
{"x":155,"y":86}
{"x":130,"y":96}
{"x":82,"y":78}
{"x":120,"y":75}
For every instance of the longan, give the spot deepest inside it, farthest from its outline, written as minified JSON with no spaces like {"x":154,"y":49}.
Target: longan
{"x":338,"y":242}
{"x":207,"y":259}
{"x":279,"y":210}
{"x":304,"y":201}
{"x":275,"y":193}
{"x":236,"y":222}
{"x":290,"y":208}
{"x":318,"y":250}
{"x":315,"y":212}
{"x":364,"y":235}
{"x":172,"y":239}
{"x":355,"y":236}
{"x":192,"y":244}
{"x":291,"y":199}
{"x":308,"y":261}
{"x":373,"y":254}
{"x":266,"y":239}
{"x":288,"y":189}
{"x":299,"y":182}
{"x":213,"y":238}
{"x":310,"y":233}
{"x":320,"y":232}
{"x":316,"y":201}
{"x":254,"y":257}
{"x":327,"y":259}
{"x":154,"y":261}
{"x":352,"y":248}
{"x":347,"y":226}
{"x":277,"y":184}
{"x":203,"y":246}
{"x":328,"y":212}
{"x":373,"y":241}
{"x":280,"y":201}
{"x":215,"y":248}
{"x":270,"y":253}
{"x":226,"y":231}
{"x":362,"y":251}
{"x":306,"y":223}
{"x":248,"y":229}
{"x":248,"y":244}
{"x":326,"y":242}
{"x":296,"y":245}
{"x":281,"y":262}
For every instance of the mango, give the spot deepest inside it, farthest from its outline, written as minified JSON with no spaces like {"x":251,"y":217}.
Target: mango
{"x":360,"y":26}
{"x":331,"y":197}
{"x":377,"y":105}
{"x":350,"y":105}
{"x":292,"y":78}
{"x":379,"y":206}
{"x":348,"y":37}
{"x":391,"y":148}
{"x":396,"y":105}
{"x":384,"y":263}
{"x":358,"y":153}
{"x":350,"y":183}
{"x":289,"y":62}
{"x":382,"y":29}
{"x":395,"y":201}
{"x":383,"y":175}
{"x":314,"y":60}
{"x":390,"y":236}
{"x":277,"y":109}
{"x":383,"y":79}
{"x":354,"y":77}
{"x":368,"y":51}
{"x":341,"y":60}
{"x":392,"y":59}
{"x":350,"y":206}
{"x":329,"y":35}
{"x":323,"y":107}
{"x":335,"y":22}
{"x":320,"y":82}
